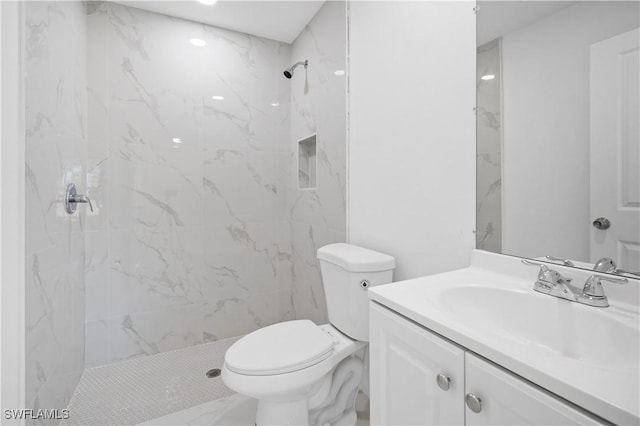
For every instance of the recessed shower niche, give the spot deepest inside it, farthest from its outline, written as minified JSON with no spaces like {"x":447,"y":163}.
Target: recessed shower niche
{"x":307,"y":162}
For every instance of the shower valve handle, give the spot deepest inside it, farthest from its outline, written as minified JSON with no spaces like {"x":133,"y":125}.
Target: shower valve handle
{"x":71,"y":199}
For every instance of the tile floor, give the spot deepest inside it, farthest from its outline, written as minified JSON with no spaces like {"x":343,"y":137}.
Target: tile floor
{"x":169,"y":388}
{"x":236,"y":410}
{"x":145,"y":388}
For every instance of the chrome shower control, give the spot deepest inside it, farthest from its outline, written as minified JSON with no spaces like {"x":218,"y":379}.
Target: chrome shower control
{"x":443,"y":381}
{"x":71,"y":199}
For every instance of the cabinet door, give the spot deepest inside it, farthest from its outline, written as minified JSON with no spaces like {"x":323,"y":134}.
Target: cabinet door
{"x":507,"y":399}
{"x":405,"y":360}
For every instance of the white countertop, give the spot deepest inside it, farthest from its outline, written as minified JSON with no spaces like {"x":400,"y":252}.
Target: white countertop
{"x":609,"y":389}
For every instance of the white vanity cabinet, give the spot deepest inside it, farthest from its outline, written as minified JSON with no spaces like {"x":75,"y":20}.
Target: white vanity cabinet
{"x":506,"y":399}
{"x":406,"y":359}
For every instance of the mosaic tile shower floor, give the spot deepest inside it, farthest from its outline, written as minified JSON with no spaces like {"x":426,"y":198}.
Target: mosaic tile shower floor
{"x":146,"y":388}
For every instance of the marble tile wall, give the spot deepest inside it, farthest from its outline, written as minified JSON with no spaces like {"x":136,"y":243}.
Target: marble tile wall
{"x":489,"y":149}
{"x":315,"y":217}
{"x":55,"y":144}
{"x":200,"y":231}
{"x":184,"y":248}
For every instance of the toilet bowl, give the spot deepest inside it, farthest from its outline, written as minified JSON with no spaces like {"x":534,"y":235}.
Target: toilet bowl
{"x":302,"y":373}
{"x":292,"y":367}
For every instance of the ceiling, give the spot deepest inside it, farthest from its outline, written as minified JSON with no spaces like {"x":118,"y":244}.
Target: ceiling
{"x":275,"y":20}
{"x":498,"y":18}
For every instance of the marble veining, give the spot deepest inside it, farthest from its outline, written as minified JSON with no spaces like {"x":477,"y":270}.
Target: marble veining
{"x":489,"y":149}
{"x":318,"y":97}
{"x":55,"y":154}
{"x":201,"y":232}
{"x":187,"y":183}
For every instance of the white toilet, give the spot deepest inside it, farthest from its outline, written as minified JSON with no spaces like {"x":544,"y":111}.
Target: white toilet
{"x":302,"y":373}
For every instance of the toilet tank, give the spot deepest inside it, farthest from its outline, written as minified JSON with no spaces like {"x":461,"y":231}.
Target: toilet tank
{"x":348,"y":271}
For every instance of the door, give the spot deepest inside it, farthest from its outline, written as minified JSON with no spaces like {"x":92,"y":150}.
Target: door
{"x":406,"y":360}
{"x":615,"y":153}
{"x":506,"y":399}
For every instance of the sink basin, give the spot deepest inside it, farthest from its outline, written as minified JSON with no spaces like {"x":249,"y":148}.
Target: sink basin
{"x":596,"y":336}
{"x":587,"y":355}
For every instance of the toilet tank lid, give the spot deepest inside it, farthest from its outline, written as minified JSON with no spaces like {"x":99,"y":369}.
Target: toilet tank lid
{"x":356,"y":259}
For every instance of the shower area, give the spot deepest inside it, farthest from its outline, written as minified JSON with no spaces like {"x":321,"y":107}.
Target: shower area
{"x":213,"y":180}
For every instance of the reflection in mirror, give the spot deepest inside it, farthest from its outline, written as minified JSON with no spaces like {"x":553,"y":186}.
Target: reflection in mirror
{"x":558,"y":138}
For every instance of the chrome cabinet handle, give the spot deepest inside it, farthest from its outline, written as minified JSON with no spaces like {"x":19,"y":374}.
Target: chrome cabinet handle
{"x":474,"y":402}
{"x":71,"y":199}
{"x":443,"y":381}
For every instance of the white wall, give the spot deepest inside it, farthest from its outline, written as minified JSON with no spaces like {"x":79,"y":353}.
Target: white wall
{"x":546,"y":128}
{"x":412,"y":133}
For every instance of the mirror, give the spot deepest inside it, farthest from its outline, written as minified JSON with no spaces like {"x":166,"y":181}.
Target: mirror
{"x":558,"y":139}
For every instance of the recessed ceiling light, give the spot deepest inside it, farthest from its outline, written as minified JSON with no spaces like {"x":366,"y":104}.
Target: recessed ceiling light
{"x":177,"y":140}
{"x":339,"y":72}
{"x":275,"y":104}
{"x":217,"y":98}
{"x":488,"y":77}
{"x":208,"y":2}
{"x":198,"y":42}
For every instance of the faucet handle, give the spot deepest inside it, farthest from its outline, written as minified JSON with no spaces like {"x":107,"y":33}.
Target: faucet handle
{"x":546,"y":275}
{"x":593,"y":286}
{"x":553,"y":277}
{"x":564,"y":262}
{"x":619,"y":271}
{"x":72,"y":198}
{"x":85,"y":199}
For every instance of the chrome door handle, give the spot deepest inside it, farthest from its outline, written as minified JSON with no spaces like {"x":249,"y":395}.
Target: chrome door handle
{"x":71,"y":199}
{"x":602,"y":223}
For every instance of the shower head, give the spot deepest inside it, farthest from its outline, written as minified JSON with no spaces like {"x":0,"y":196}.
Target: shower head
{"x":289,"y":71}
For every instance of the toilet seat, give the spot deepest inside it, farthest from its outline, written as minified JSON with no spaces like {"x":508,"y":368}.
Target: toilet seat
{"x":280,"y":348}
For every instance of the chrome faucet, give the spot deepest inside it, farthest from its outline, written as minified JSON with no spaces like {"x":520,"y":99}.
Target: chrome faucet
{"x":605,"y":265}
{"x":593,"y":292}
{"x":554,"y":284}
{"x":609,"y":266}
